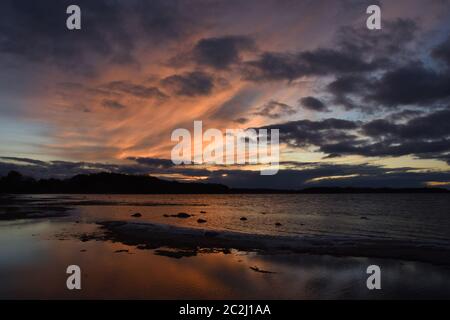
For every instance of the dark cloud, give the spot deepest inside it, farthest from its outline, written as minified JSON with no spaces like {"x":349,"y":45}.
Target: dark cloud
{"x":412,"y":84}
{"x":164,"y":20}
{"x":442,"y":52}
{"x":389,"y":148}
{"x":153,"y":162}
{"x":275,"y":110}
{"x":319,"y":62}
{"x":273,"y":66}
{"x":355,"y":51}
{"x":425,"y":136}
{"x":409,"y":85}
{"x":313,"y":104}
{"x":379,"y":127}
{"x":190,"y":84}
{"x":241,"y":120}
{"x":405,"y":114}
{"x":112,"y":104}
{"x":403,"y":81}
{"x":347,"y":85}
{"x":36,"y":31}
{"x":330,"y":61}
{"x":369,"y":70}
{"x":133,"y":89}
{"x":431,"y":126}
{"x":306,"y":132}
{"x":392,"y":41}
{"x":221,"y":52}
{"x":287,"y":66}
{"x":344,"y":90}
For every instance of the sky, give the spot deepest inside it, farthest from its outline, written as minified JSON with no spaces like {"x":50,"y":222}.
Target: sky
{"x":355,"y":107}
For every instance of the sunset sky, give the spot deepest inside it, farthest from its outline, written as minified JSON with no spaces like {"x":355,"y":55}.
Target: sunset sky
{"x":355,"y":107}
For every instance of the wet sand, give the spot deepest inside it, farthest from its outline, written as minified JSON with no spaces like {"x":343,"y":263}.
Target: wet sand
{"x":151,"y":236}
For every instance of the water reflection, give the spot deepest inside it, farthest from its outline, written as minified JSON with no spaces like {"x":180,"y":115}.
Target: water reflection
{"x":34,"y":267}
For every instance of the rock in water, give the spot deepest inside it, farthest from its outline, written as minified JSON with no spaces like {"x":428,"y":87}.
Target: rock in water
{"x":182,"y":215}
{"x":256,"y":269}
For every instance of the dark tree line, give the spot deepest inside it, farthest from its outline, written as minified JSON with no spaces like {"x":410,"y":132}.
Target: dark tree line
{"x":113,"y":183}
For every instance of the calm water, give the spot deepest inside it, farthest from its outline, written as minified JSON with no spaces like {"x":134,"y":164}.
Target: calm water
{"x":35,"y":252}
{"x":419,"y":216}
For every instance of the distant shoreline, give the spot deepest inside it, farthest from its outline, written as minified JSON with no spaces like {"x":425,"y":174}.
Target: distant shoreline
{"x":341,"y":190}
{"x":114,"y":183}
{"x":258,"y":192}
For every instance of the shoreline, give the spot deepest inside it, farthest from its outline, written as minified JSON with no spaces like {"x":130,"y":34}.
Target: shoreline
{"x":192,"y":240}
